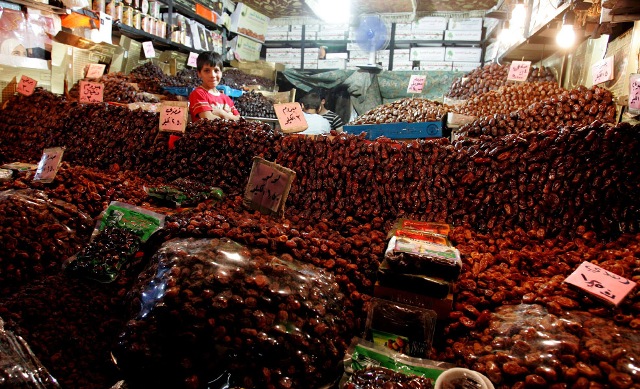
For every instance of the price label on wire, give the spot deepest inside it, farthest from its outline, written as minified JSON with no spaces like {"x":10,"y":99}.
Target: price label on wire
{"x":95,"y":70}
{"x":173,"y":117}
{"x":519,"y":71}
{"x":600,"y":283}
{"x":91,"y":92}
{"x":49,"y":164}
{"x":193,"y":59}
{"x":290,"y":117}
{"x":268,"y":186}
{"x":26,"y":86}
{"x":634,"y":93}
{"x":149,"y":51}
{"x":602,"y":71}
{"x":416,"y":83}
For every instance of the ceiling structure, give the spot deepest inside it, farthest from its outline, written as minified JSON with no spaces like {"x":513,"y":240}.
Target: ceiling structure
{"x":296,"y":8}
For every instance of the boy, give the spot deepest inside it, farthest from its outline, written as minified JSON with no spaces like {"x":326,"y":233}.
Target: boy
{"x":206,"y":102}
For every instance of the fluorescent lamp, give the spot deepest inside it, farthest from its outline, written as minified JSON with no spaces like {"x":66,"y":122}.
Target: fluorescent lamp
{"x":331,"y":11}
{"x":519,"y":14}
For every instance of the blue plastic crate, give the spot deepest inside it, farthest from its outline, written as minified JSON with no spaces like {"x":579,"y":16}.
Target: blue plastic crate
{"x":178,"y":90}
{"x":401,"y":130}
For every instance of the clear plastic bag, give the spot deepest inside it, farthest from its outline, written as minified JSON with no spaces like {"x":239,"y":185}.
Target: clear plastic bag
{"x":367,"y":366}
{"x":415,"y":257}
{"x":19,"y":367}
{"x":206,"y":306}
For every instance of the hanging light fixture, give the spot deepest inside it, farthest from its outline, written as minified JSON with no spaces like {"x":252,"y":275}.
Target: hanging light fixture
{"x":331,"y":11}
{"x":567,"y":35}
{"x":508,"y":35}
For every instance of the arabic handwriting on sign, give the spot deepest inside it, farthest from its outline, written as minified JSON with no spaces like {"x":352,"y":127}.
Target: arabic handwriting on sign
{"x":292,"y":118}
{"x":597,"y":284}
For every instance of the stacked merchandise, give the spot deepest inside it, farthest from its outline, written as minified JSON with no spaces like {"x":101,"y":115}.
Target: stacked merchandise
{"x":419,"y":267}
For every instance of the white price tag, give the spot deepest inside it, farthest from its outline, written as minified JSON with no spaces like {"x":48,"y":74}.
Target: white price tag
{"x":95,"y":70}
{"x":49,"y":164}
{"x":193,"y":59}
{"x":149,"y":51}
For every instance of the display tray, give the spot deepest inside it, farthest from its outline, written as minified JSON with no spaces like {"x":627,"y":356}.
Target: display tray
{"x":401,"y":130}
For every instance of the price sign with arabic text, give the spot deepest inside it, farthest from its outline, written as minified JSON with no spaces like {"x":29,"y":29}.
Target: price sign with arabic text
{"x":91,"y":92}
{"x":173,"y":117}
{"x":519,"y":71}
{"x":290,"y":117}
{"x":268,"y":187}
{"x":49,"y":164}
{"x":193,"y":59}
{"x":26,"y":86}
{"x":95,"y":70}
{"x":416,"y":83}
{"x":634,"y":93}
{"x":602,"y":71}
{"x":600,"y":283}
{"x":149,"y":51}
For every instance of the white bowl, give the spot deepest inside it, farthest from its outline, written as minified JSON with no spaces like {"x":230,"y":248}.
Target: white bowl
{"x":450,"y":377}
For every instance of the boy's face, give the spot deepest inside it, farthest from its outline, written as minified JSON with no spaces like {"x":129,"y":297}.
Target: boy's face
{"x":210,"y":76}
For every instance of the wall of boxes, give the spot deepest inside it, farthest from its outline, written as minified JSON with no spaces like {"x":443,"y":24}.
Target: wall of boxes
{"x":429,"y":43}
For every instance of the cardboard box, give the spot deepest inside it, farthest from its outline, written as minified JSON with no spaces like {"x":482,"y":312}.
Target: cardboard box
{"x":427,"y":53}
{"x":294,"y":36}
{"x":330,"y":35}
{"x":247,"y":49}
{"x":247,"y":21}
{"x":312,"y":27}
{"x":310,"y":35}
{"x":463,"y":54}
{"x":334,"y":27}
{"x":442,"y":307}
{"x":435,"y":66}
{"x":465,"y":24}
{"x":337,"y":56}
{"x":431,"y":23}
{"x":427,"y":35}
{"x":491,"y":51}
{"x":311,"y":64}
{"x":276,"y":36}
{"x":463,"y":35}
{"x":404,"y":36}
{"x":400,"y":130}
{"x":404,"y":28}
{"x":283,"y":28}
{"x":259,"y":68}
{"x":402,"y":67}
{"x":296,"y":27}
{"x":337,"y":63}
{"x":465,"y":66}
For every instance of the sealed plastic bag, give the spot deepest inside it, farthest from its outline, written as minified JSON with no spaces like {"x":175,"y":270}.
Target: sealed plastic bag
{"x":209,"y":306}
{"x":367,"y":366}
{"x":19,"y":367}
{"x":418,"y":257}
{"x":117,"y":240}
{"x":184,"y":192}
{"x":37,"y":234}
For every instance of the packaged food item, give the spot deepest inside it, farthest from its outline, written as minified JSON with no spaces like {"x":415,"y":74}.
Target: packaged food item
{"x":367,"y":366}
{"x":117,"y":240}
{"x":421,"y":226}
{"x":416,"y":283}
{"x":416,"y":257}
{"x":399,"y":327}
{"x":184,"y":192}
{"x":422,"y":236}
{"x":205,"y":308}
{"x":19,"y":367}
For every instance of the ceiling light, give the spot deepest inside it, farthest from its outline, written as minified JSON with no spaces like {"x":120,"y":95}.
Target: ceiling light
{"x":518,"y":14}
{"x":567,"y":36}
{"x":331,"y":11}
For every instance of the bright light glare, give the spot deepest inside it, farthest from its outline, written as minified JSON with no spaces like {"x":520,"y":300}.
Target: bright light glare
{"x":331,"y":11}
{"x":566,"y":36}
{"x":508,"y":36}
{"x":518,"y":15}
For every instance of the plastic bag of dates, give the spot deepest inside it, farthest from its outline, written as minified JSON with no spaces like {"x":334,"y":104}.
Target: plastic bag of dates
{"x":420,"y":257}
{"x":530,"y":346}
{"x":209,"y":306}
{"x":184,"y":192}
{"x":117,"y":240}
{"x":19,"y":367}
{"x":367,"y":366}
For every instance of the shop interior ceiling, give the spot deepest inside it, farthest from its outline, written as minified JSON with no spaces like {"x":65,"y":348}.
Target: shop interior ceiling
{"x":297,"y":8}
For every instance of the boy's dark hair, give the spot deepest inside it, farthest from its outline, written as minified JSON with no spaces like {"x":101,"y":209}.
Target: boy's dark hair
{"x":209,"y":58}
{"x":311,"y":101}
{"x":322,"y":92}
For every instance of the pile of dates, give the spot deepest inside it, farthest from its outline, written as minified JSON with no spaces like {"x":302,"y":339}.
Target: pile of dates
{"x":28,"y":125}
{"x":578,"y":107}
{"x":185,"y":77}
{"x":215,"y":153}
{"x":553,"y":179}
{"x":71,"y":325}
{"x":517,"y":321}
{"x":211,"y":306}
{"x":149,"y":77}
{"x":409,"y":110}
{"x":255,"y":104}
{"x":491,"y":77}
{"x":88,"y":189}
{"x":36,"y":235}
{"x":117,"y":88}
{"x":381,"y":377}
{"x":237,"y":79}
{"x":508,"y":98}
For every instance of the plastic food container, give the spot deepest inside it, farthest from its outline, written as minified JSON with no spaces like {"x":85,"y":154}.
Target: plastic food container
{"x":461,"y":378}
